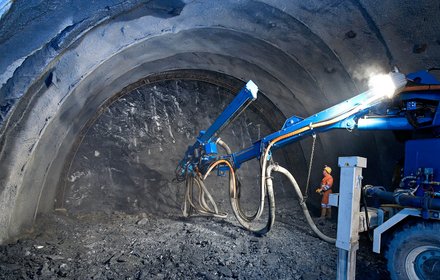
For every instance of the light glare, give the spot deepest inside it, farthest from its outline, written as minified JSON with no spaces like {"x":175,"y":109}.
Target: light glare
{"x":382,"y":84}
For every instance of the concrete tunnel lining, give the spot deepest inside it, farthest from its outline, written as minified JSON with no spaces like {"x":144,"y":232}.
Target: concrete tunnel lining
{"x":288,"y":61}
{"x":285,"y":31}
{"x":42,"y":176}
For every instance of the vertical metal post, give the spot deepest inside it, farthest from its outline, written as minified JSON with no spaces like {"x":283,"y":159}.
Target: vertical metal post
{"x":347,"y":240}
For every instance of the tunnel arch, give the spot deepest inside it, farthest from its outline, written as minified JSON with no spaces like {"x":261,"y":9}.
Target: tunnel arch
{"x":146,"y":89}
{"x":64,"y":83}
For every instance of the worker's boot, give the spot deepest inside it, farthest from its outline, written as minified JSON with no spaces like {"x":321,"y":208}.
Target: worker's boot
{"x":329,"y":213}
{"x":323,"y":211}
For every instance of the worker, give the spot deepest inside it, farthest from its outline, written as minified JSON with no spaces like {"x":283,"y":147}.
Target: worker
{"x":325,"y":190}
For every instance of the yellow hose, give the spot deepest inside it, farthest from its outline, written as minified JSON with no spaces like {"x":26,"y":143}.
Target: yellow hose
{"x":212,"y":166}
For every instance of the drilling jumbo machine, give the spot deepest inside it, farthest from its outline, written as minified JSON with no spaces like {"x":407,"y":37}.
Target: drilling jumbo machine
{"x":404,"y":222}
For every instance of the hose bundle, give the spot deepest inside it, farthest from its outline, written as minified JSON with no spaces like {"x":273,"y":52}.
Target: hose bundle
{"x":248,"y":222}
{"x":190,"y":203}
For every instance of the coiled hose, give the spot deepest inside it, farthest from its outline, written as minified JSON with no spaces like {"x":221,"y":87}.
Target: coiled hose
{"x":234,"y":195}
{"x":190,"y":205}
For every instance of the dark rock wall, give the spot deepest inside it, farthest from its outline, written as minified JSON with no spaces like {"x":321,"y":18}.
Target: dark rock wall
{"x":127,"y":157}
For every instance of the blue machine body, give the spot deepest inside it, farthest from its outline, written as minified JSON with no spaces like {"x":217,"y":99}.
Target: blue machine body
{"x":422,"y":165}
{"x":423,"y":77}
{"x":422,"y":153}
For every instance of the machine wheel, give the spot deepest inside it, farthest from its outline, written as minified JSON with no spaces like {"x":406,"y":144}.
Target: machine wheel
{"x":414,"y":252}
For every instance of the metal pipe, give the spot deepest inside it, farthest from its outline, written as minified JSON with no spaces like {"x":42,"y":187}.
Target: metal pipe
{"x":225,"y":146}
{"x":404,"y":199}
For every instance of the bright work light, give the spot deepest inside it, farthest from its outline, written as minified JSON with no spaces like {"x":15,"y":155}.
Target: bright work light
{"x":382,"y":84}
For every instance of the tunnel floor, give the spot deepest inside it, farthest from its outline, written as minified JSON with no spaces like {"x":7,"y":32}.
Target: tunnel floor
{"x":142,"y":246}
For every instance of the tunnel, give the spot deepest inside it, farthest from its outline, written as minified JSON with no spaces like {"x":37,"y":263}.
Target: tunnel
{"x":99,"y":100}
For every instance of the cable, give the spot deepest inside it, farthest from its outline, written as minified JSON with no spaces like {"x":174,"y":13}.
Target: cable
{"x":306,"y":193}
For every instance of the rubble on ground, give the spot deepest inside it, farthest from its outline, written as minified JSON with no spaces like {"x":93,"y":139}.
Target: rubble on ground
{"x":142,"y":246}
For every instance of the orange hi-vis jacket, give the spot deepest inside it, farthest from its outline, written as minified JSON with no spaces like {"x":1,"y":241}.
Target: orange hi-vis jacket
{"x":326,"y":184}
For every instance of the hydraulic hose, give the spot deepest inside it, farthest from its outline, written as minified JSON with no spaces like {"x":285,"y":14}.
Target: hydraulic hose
{"x":302,"y":203}
{"x":235,"y":199}
{"x":203,"y":207}
{"x":225,"y":146}
{"x":242,"y":219}
{"x":247,"y":221}
{"x":232,"y":188}
{"x":188,"y":198}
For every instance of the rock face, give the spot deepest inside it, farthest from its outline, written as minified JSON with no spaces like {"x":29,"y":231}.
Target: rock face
{"x":126,"y":159}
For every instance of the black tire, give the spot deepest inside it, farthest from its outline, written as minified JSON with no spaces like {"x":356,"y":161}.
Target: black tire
{"x":414,"y":252}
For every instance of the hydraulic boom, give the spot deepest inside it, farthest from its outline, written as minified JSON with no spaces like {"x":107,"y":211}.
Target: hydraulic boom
{"x":350,"y":114}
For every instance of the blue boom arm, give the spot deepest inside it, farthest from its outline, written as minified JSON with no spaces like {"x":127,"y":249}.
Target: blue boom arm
{"x":350,"y":114}
{"x":204,"y":149}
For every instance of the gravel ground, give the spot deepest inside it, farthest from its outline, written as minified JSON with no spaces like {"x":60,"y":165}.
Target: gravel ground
{"x":142,"y":246}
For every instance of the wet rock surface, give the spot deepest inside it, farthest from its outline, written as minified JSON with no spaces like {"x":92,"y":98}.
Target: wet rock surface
{"x":141,"y":246}
{"x":127,"y":157}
